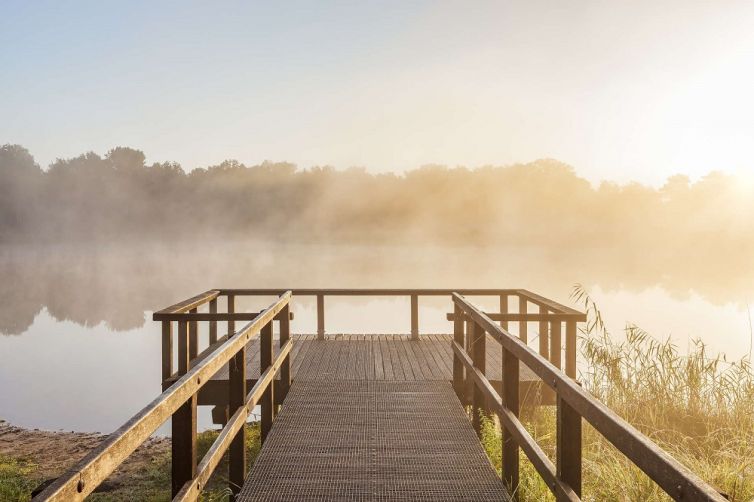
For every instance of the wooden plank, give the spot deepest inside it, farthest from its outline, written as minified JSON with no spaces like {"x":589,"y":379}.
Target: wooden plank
{"x":479,"y":356}
{"x":504,"y":311}
{"x":191,"y":303}
{"x":529,"y":316}
{"x":379,"y":367}
{"x":193,"y":336}
{"x":556,"y":344}
{"x":285,"y":335}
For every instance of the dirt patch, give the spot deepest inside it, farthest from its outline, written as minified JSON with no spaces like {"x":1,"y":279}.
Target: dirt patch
{"x":53,"y":452}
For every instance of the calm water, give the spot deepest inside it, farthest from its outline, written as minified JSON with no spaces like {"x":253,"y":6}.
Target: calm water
{"x":79,"y":351}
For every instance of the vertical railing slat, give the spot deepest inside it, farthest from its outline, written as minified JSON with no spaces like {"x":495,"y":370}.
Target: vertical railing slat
{"x":183,"y":423}
{"x":414,"y":317}
{"x":510,"y":398}
{"x":193,"y":337}
{"x":556,"y":344}
{"x":479,"y":357}
{"x":285,"y":335}
{"x":544,"y":335}
{"x":213,"y":324}
{"x":167,"y":350}
{"x":504,"y":310}
{"x":523,"y":326}
{"x":570,"y":349}
{"x":458,"y":368}
{"x":320,"y":317}
{"x":568,"y":448}
{"x":236,"y":399}
{"x":265,"y":361}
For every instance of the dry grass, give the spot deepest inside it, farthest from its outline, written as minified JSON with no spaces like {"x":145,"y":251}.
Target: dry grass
{"x":698,"y":407}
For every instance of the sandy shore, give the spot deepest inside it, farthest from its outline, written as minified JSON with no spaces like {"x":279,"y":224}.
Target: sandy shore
{"x":52,"y":452}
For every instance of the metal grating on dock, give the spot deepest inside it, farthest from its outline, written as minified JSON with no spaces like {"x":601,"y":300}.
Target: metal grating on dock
{"x":372,"y":440}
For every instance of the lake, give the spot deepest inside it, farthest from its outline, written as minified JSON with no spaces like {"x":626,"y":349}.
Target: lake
{"x":79,"y":351}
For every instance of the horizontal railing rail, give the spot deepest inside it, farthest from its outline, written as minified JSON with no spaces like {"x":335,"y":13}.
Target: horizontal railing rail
{"x":179,"y":402}
{"x":573,"y":404}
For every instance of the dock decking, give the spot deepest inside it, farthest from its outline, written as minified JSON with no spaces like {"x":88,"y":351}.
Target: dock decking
{"x":372,"y":440}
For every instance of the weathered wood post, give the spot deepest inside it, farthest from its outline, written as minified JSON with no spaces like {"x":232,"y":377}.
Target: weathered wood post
{"x":468,"y":384}
{"x":504,"y":310}
{"x":285,"y":367}
{"x":320,"y":317}
{"x":479,"y":403}
{"x":544,"y":335}
{"x":193,"y":336}
{"x":523,"y":326}
{"x":568,"y":448}
{"x":213,"y":323}
{"x":414,"y":317}
{"x":510,"y":399}
{"x":167,"y":350}
{"x":265,"y":361}
{"x":556,"y":344}
{"x":458,"y":369}
{"x":236,"y":399}
{"x":570,"y":349}
{"x":183,"y":422}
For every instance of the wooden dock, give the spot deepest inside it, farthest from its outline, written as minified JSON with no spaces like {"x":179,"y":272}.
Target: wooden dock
{"x":372,"y":417}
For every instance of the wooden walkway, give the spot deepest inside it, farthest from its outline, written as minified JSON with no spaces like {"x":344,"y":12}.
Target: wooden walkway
{"x":371,"y":417}
{"x":371,"y":440}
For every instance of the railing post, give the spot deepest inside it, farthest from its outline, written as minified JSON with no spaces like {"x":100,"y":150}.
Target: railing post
{"x":556,"y":344}
{"x":213,"y":324}
{"x":183,"y":423}
{"x":504,"y":310}
{"x":285,"y":335}
{"x":523,"y":326}
{"x":479,"y":357}
{"x":544,"y":335}
{"x":468,"y":385}
{"x":568,"y":448}
{"x":570,"y":349}
{"x":510,"y":399}
{"x":458,"y":319}
{"x":265,"y":361}
{"x":193,"y":337}
{"x":236,"y":399}
{"x":167,"y":350}
{"x":414,"y":317}
{"x":320,"y":317}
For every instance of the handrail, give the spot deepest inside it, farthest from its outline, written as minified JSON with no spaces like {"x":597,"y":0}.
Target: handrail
{"x":94,"y":468}
{"x":674,"y":478}
{"x":192,"y":488}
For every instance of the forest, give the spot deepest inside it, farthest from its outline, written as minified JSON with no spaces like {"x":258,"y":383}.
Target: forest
{"x":543,"y":203}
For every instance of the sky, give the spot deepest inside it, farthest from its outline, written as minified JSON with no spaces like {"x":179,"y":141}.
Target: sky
{"x":621,"y":90}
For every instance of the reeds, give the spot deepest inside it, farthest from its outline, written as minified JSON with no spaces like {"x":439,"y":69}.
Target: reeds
{"x":696,"y":406}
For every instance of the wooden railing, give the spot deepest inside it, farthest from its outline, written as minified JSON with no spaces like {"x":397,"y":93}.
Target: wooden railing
{"x":179,"y":401}
{"x":573,"y":403}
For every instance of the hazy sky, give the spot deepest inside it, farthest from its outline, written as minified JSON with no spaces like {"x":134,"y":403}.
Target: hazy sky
{"x":620,"y":90}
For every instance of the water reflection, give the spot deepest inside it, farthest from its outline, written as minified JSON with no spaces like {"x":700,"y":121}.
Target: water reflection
{"x":80,"y":312}
{"x":116,"y":286}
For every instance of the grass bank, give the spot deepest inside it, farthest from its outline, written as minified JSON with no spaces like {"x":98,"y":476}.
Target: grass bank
{"x":698,"y":407}
{"x":146,"y":479}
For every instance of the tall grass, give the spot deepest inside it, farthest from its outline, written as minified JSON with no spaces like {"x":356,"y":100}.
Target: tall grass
{"x":697,"y":406}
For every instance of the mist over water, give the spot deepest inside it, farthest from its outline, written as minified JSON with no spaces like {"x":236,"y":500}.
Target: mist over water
{"x":91,"y":246}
